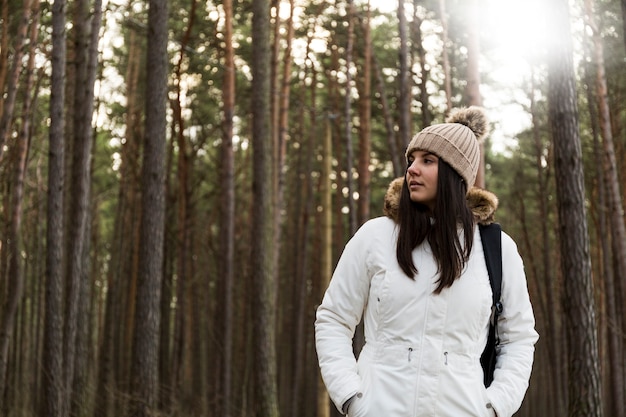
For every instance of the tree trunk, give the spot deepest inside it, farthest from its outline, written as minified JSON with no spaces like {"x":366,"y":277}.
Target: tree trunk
{"x":78,"y":300}
{"x":13,"y":84}
{"x":607,"y":330}
{"x":15,"y":273}
{"x":447,"y":76}
{"x":394,"y":155}
{"x":82,"y":383}
{"x":616,"y":217}
{"x":418,"y":48}
{"x":53,"y":388}
{"x":113,"y":362}
{"x":304,"y":203}
{"x":266,"y":399}
{"x":4,"y":48}
{"x":472,"y":88}
{"x":555,"y":348}
{"x":584,"y":373}
{"x":326,"y":245}
{"x":15,"y":286}
{"x":365,"y":130}
{"x":227,"y":222}
{"x":181,"y":376}
{"x":352,"y":214}
{"x":145,"y":362}
{"x":404,"y":80}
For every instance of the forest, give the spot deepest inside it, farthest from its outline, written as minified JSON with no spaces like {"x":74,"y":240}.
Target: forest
{"x":178,"y":179}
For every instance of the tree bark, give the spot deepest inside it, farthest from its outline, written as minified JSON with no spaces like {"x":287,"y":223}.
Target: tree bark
{"x":584,"y":373}
{"x":555,"y":350}
{"x":326,"y":258}
{"x":4,"y":48}
{"x":86,"y":36}
{"x":15,"y":277}
{"x":227,"y":223}
{"x":145,"y":356}
{"x":365,"y":130}
{"x":418,"y":48}
{"x":15,"y":273}
{"x":347,"y":109}
{"x":82,"y":383}
{"x":472,"y":88}
{"x":616,"y":218}
{"x":52,"y":379}
{"x":404,"y":80}
{"x":396,"y":157}
{"x":266,"y":398}
{"x":447,"y":76}
{"x":8,"y":104}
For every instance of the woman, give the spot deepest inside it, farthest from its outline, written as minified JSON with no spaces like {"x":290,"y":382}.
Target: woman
{"x":418,"y":279}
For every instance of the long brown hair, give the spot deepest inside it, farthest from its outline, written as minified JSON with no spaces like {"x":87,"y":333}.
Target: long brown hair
{"x":417,"y":223}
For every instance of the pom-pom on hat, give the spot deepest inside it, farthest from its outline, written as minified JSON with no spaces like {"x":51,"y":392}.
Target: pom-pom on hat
{"x":457,"y":141}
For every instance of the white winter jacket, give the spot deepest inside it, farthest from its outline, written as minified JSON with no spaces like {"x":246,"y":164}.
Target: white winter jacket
{"x":422,"y":350}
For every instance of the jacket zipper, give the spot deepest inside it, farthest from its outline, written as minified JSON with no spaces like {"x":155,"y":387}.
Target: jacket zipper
{"x":410,"y":351}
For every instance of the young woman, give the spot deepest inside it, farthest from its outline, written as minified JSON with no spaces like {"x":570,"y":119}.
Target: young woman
{"x":418,"y":279}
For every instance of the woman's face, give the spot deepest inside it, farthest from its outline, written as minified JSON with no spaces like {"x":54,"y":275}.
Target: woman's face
{"x":421,"y":177}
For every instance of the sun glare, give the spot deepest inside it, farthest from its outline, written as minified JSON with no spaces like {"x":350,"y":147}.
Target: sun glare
{"x":518,"y":27}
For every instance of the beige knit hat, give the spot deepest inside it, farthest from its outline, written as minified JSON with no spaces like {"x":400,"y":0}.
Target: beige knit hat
{"x":457,"y":141}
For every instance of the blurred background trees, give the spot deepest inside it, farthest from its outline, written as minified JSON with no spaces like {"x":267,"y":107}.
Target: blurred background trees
{"x":177,"y":226}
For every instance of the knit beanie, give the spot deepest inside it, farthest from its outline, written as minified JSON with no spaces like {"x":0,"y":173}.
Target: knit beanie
{"x":457,"y":141}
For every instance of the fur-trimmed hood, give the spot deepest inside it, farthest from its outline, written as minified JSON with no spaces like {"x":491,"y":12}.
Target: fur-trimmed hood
{"x":482,"y":202}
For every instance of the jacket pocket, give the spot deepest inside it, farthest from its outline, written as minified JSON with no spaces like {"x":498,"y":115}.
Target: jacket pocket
{"x":358,"y":406}
{"x":490,"y":412}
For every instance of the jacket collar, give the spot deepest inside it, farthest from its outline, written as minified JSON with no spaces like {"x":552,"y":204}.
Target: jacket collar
{"x":482,"y":202}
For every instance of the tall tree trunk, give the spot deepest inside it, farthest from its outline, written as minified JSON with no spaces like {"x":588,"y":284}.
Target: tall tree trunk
{"x":52,"y":405}
{"x":227,"y":223}
{"x":145,"y":363}
{"x":112,"y":364}
{"x":266,"y":398}
{"x":86,"y":34}
{"x":15,"y":286}
{"x":81,"y":383}
{"x":352,"y":214}
{"x":607,"y":330}
{"x":13,"y":84}
{"x":15,"y":272}
{"x":394,"y":155}
{"x":404,"y":80}
{"x":472,"y":88}
{"x":4,"y":48}
{"x":365,"y":113}
{"x":302,"y":253}
{"x":181,"y":373}
{"x":326,"y":256}
{"x":418,"y":48}
{"x":555,"y":348}
{"x":616,"y":217}
{"x":281,"y":136}
{"x":447,"y":76}
{"x":584,"y":373}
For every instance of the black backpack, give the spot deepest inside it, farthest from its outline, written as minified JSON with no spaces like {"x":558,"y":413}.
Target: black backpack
{"x":491,"y":237}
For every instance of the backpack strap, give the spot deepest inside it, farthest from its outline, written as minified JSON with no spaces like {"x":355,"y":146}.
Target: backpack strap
{"x":491,"y":237}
